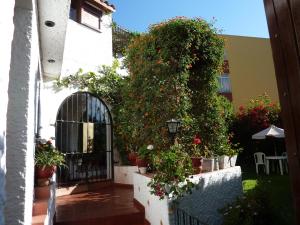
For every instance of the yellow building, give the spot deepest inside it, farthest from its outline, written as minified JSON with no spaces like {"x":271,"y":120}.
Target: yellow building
{"x":250,"y":68}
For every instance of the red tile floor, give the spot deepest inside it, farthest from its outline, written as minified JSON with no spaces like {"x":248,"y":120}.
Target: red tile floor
{"x":112,"y":205}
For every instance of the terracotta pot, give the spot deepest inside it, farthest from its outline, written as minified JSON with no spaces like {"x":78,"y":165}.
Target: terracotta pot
{"x":197,"y":164}
{"x":141,"y":162}
{"x":45,"y":171}
{"x":43,"y":182}
{"x":132,"y":158}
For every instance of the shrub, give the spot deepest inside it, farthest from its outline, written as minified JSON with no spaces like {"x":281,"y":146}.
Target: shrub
{"x":173,"y":74}
{"x":257,"y":115}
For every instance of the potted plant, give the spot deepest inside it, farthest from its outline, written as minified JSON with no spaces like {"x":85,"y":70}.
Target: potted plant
{"x":143,"y":157}
{"x":132,"y":158}
{"x":197,"y":159}
{"x":229,"y":156}
{"x":47,"y":158}
{"x":208,"y":160}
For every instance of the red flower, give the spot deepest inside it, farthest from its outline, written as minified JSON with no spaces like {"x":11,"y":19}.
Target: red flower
{"x":159,"y":191}
{"x":241,"y":108}
{"x":49,"y":142}
{"x":197,"y":140}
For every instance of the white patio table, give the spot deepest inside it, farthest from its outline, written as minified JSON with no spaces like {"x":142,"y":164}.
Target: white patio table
{"x":279,"y":158}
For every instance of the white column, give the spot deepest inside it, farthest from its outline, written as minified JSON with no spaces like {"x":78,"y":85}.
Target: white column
{"x":7,"y":28}
{"x":24,"y":71}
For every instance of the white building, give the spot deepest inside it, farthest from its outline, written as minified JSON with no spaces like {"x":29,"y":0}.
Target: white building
{"x":40,"y":42}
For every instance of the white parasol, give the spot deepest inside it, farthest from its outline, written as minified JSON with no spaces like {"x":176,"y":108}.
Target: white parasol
{"x":271,"y":131}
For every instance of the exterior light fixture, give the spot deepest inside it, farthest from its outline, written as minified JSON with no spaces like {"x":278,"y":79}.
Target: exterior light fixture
{"x":173,"y":126}
{"x":49,"y":23}
{"x":51,"y":61}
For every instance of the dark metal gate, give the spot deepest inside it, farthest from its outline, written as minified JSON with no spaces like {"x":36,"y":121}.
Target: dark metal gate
{"x":84,"y":135}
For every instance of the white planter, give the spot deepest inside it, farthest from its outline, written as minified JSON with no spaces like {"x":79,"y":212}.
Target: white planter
{"x":226,"y":161}
{"x":142,"y":170}
{"x":208,"y":165}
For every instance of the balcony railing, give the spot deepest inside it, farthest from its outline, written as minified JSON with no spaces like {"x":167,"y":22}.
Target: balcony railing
{"x":224,"y":84}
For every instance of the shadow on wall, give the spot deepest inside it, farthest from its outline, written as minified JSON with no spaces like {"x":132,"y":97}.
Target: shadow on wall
{"x":209,"y":196}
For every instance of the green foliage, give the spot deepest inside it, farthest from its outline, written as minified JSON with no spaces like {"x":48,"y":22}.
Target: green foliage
{"x":172,"y":168}
{"x":145,"y":152}
{"x":227,"y":111}
{"x":121,"y":39}
{"x":47,"y":155}
{"x":105,"y":84}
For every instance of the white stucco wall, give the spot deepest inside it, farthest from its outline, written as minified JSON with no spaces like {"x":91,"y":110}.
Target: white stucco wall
{"x":86,"y":48}
{"x":214,"y":191}
{"x":6,"y":24}
{"x":51,"y":99}
{"x":24,"y":71}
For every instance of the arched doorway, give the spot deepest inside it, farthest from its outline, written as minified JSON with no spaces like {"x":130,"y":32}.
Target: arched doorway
{"x":84,"y":135}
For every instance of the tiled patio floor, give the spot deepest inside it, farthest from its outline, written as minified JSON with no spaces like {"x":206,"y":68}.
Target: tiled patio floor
{"x":109,"y":206}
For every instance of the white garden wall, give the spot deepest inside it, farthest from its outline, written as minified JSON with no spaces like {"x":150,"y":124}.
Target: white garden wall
{"x":214,"y":191}
{"x":124,"y":174}
{"x":24,"y":71}
{"x":6,"y":24}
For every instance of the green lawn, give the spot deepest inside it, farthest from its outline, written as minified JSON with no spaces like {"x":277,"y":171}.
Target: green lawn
{"x":280,"y":194}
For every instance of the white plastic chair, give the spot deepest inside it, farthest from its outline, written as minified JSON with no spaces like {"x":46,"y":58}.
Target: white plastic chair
{"x":286,"y":162}
{"x":260,"y":159}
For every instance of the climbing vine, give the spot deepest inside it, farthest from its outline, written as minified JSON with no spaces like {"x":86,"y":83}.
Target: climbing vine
{"x":173,"y":74}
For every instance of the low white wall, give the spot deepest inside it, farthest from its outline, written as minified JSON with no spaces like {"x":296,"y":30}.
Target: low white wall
{"x":214,"y":191}
{"x":156,"y":211}
{"x":124,"y":174}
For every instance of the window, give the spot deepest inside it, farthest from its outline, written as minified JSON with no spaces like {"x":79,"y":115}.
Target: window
{"x":91,"y":16}
{"x":86,"y":12}
{"x":224,"y":84}
{"x":73,"y":13}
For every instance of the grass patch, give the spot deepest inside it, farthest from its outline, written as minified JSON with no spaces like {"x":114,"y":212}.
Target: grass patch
{"x":280,"y":195}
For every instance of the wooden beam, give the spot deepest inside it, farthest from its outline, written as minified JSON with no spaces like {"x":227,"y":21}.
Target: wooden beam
{"x":283,"y":17}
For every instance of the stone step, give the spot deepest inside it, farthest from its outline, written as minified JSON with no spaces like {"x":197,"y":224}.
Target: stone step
{"x":38,"y":220}
{"x":42,"y":192}
{"x":39,"y":207}
{"x":129,"y":219}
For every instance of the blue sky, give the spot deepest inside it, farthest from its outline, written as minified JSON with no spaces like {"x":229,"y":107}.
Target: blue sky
{"x":235,"y":17}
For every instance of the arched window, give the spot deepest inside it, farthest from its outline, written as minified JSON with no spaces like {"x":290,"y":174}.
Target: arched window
{"x":84,"y":135}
